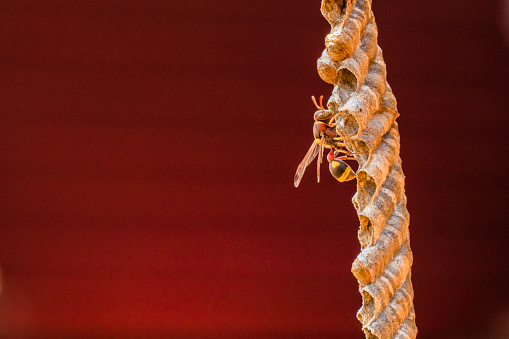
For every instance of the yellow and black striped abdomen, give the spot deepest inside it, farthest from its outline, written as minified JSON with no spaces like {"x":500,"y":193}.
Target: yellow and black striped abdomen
{"x":341,"y":170}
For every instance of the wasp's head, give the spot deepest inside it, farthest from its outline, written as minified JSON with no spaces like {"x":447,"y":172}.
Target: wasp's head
{"x":322,"y":114}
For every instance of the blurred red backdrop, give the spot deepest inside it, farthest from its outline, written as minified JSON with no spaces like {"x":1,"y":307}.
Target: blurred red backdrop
{"x":148,"y":151}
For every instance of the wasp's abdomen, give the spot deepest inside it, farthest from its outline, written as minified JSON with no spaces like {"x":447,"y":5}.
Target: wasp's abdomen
{"x":341,"y":170}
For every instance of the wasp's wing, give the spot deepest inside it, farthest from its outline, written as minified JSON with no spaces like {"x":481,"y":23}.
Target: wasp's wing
{"x":320,"y":157}
{"x":308,"y":158}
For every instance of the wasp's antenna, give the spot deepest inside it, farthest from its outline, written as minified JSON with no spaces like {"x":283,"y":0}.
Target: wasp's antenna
{"x":321,"y":100}
{"x":314,"y":100}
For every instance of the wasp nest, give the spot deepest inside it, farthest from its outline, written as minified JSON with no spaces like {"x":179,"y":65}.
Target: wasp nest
{"x":353,"y":63}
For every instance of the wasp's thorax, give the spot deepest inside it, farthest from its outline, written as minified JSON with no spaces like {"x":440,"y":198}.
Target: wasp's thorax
{"x":321,"y":128}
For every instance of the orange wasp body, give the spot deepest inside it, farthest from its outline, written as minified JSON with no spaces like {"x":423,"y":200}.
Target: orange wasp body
{"x":325,"y":135}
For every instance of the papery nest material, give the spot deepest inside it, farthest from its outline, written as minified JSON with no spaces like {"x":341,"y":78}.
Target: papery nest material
{"x":353,"y":63}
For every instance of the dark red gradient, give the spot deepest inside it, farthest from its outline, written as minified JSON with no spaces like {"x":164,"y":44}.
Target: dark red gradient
{"x":147,"y":157}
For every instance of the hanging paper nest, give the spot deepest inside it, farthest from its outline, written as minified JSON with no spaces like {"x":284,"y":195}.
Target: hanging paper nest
{"x":353,"y":63}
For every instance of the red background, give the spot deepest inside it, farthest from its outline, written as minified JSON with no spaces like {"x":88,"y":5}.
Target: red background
{"x":147,"y":158}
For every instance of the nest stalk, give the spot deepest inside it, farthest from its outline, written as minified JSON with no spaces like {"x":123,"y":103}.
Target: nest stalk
{"x":352,"y":61}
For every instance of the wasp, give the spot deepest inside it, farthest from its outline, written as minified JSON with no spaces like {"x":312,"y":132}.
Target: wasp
{"x":325,"y":135}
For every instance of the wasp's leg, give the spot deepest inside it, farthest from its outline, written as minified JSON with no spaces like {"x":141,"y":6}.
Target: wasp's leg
{"x":348,"y":152}
{"x":330,"y":124}
{"x":340,"y":144}
{"x":348,"y":137}
{"x":345,"y":157}
{"x":333,"y":124}
{"x":336,"y":152}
